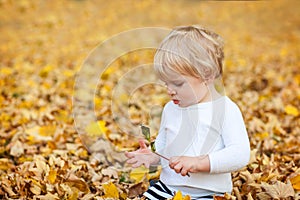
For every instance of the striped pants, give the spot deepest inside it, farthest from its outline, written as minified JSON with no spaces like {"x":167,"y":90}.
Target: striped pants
{"x":160,"y":191}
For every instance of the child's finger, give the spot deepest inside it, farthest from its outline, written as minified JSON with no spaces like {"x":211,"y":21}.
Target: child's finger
{"x":173,"y":161}
{"x":136,"y":164}
{"x":178,"y":167}
{"x":184,"y":172}
{"x":142,"y":144}
{"x":131,"y":161}
{"x":128,"y":154}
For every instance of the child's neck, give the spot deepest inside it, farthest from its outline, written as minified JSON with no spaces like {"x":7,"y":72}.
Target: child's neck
{"x":211,"y":95}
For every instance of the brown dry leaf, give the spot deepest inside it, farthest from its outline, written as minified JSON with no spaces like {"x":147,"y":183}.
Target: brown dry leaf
{"x":70,"y":193}
{"x":74,"y":182}
{"x":17,"y":149}
{"x":137,"y":189}
{"x":263,"y":195}
{"x":47,"y":196}
{"x":35,"y":187}
{"x":110,"y":172}
{"x":279,"y":190}
{"x":247,"y":176}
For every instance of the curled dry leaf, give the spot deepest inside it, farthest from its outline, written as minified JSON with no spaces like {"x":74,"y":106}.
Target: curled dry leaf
{"x":279,"y":190}
{"x":110,"y":172}
{"x":17,"y":149}
{"x":137,"y":189}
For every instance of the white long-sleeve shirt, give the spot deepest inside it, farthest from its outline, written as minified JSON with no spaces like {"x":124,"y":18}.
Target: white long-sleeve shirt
{"x":213,"y":128}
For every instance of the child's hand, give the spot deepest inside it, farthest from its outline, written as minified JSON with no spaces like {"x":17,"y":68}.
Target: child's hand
{"x":186,"y":164}
{"x":141,"y":156}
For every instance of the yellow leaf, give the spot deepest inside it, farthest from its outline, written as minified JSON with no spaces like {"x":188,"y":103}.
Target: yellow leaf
{"x":154,"y":175}
{"x":297,"y":79}
{"x":187,"y":197}
{"x":291,"y":110}
{"x":98,"y":102}
{"x":178,"y":196}
{"x":110,"y":191}
{"x":138,"y":174}
{"x":262,"y":135}
{"x":108,"y":72}
{"x":124,"y":97}
{"x":296,"y":182}
{"x":6,"y":71}
{"x":283,"y":52}
{"x":68,"y":73}
{"x":97,"y":128}
{"x":43,"y":133}
{"x":47,"y":130}
{"x":45,"y":71}
{"x":6,"y":164}
{"x":52,"y":176}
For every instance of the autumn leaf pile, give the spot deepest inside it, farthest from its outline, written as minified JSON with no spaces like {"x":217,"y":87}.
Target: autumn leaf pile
{"x":43,"y":44}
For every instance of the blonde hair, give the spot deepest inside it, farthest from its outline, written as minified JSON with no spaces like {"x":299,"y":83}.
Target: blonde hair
{"x":192,"y":51}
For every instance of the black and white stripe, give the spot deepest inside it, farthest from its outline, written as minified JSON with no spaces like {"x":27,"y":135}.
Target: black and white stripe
{"x":158,"y":191}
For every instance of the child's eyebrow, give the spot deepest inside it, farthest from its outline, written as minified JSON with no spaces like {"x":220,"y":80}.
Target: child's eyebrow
{"x":177,"y":80}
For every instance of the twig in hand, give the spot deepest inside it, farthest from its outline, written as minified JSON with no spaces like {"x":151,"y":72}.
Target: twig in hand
{"x":146,"y":133}
{"x":161,"y":155}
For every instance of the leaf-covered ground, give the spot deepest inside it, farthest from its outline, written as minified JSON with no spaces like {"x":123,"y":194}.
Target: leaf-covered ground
{"x":43,"y":44}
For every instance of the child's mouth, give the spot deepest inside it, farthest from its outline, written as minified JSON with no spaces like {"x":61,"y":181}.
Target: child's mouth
{"x":176,"y":101}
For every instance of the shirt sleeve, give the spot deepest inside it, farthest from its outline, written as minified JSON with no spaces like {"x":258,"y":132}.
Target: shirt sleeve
{"x":236,"y":151}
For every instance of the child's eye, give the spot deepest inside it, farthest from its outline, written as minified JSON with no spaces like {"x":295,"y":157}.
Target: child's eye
{"x":178,"y":84}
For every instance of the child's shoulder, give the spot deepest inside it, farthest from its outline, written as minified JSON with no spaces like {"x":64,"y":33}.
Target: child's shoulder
{"x":230,"y":103}
{"x":232,"y":109}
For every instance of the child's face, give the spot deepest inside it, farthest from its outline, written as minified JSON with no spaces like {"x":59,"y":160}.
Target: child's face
{"x":187,"y":90}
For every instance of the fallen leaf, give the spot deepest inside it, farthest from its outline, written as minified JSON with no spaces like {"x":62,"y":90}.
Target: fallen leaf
{"x":97,"y":128}
{"x":178,"y":196}
{"x":110,"y":191}
{"x":136,"y":189}
{"x":110,"y":171}
{"x":291,"y":110}
{"x":138,"y":174}
{"x":296,"y":182}
{"x":52,"y":176}
{"x":279,"y":190}
{"x":17,"y":149}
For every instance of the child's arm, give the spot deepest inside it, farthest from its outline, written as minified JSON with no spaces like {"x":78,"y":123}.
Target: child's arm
{"x":233,"y":156}
{"x":236,"y":151}
{"x":142,"y":156}
{"x":185,"y":164}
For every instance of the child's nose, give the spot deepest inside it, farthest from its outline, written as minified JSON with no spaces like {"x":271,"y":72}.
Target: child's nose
{"x":171,"y":92}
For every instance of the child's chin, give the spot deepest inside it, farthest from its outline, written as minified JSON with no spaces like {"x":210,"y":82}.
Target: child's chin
{"x":182,"y":105}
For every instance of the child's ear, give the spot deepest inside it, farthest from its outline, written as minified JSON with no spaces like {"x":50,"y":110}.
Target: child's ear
{"x":209,"y":80}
